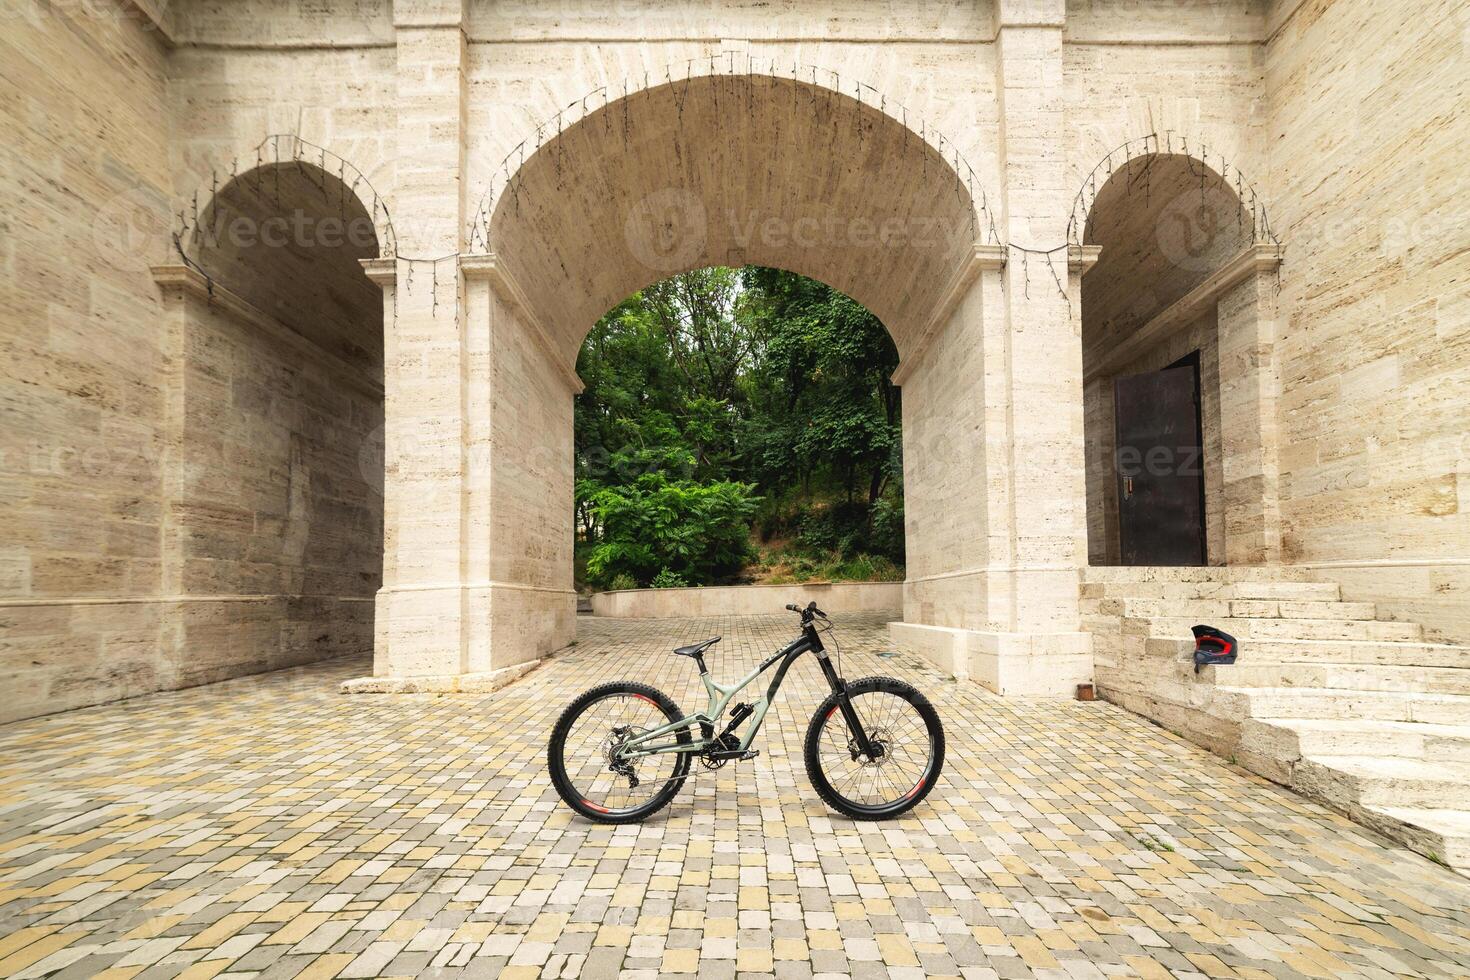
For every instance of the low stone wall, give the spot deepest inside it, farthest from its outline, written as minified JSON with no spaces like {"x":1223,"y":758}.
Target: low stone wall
{"x":833,"y":598}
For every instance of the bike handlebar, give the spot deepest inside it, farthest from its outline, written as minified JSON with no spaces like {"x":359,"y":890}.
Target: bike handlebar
{"x":807,"y":613}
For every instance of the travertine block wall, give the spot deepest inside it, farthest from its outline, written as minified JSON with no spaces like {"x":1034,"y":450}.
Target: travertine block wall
{"x":84,"y":187}
{"x":1366,"y":106}
{"x":948,"y":491}
{"x":277,"y":497}
{"x":124,"y":120}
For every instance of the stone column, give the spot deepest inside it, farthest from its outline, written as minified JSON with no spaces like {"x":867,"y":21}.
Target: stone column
{"x":955,"y":507}
{"x":997,"y":507}
{"x":424,"y":611}
{"x":1249,"y":388}
{"x":1034,"y":572}
{"x":520,"y":493}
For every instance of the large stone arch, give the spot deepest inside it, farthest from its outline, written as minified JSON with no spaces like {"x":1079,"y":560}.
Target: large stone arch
{"x":747,"y":167}
{"x":1185,"y":256}
{"x":722,"y":169}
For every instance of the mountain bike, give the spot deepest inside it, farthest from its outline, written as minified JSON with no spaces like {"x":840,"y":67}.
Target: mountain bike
{"x":621,"y":751}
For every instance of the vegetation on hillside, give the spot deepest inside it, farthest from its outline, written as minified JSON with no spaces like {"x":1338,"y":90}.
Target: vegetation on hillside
{"x":737,"y":425}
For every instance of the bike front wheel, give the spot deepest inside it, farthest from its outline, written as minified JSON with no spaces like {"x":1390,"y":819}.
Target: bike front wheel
{"x":586,"y":769}
{"x":904,"y":729}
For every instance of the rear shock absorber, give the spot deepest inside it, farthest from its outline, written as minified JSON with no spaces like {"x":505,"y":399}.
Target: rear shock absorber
{"x":738,"y":714}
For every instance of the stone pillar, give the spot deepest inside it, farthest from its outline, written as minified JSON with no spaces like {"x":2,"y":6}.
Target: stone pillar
{"x":521,"y":464}
{"x":1249,"y":389}
{"x":1035,"y":570}
{"x":954,"y":507}
{"x":997,"y":508}
{"x":424,"y":610}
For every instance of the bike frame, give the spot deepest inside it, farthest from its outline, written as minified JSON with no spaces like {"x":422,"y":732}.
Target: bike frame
{"x":645,"y":744}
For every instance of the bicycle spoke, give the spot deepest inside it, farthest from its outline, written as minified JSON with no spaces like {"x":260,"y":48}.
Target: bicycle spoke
{"x":903,"y":750}
{"x":588,"y":760}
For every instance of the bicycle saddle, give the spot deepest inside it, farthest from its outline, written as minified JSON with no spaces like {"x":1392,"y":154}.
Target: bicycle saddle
{"x":696,"y":649}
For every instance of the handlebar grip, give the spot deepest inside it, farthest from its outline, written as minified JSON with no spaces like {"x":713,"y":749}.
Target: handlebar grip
{"x":793,"y":607}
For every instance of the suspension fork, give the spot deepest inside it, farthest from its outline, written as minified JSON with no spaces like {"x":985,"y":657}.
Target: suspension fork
{"x":844,"y":703}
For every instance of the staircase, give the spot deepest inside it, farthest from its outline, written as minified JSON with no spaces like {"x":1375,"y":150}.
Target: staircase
{"x":1356,"y":712}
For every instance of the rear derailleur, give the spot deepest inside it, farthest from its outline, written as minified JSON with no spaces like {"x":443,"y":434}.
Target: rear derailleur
{"x":617,"y":764}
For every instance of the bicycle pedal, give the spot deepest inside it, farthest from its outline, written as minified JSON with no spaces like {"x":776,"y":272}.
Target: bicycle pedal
{"x":751,"y":754}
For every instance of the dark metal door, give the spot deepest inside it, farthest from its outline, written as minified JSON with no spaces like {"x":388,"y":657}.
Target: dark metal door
{"x":1161,"y":512}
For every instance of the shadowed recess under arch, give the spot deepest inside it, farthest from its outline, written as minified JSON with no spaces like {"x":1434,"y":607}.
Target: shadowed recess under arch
{"x":288,"y":237}
{"x":1164,"y":223}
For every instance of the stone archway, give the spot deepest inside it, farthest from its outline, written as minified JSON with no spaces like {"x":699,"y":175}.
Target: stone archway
{"x":734,"y":170}
{"x":273,"y":523}
{"x":1183,"y":274}
{"x":728,"y":170}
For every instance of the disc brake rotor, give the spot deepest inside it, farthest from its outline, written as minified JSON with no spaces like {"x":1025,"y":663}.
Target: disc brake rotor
{"x":878,"y":738}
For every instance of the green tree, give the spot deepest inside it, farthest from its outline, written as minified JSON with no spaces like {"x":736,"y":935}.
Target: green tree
{"x":823,"y":378}
{"x":699,"y":532}
{"x":719,"y":399}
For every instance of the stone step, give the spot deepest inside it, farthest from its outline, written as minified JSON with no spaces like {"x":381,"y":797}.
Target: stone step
{"x":1195,"y":573}
{"x":1320,"y":591}
{"x":1279,"y":629}
{"x":1439,"y":834}
{"x":1333,"y":703}
{"x":1292,"y":738}
{"x":1204,"y":610}
{"x":1347,"y":677}
{"x":1268,"y":651}
{"x":1358,"y":780}
{"x":1291,"y":591}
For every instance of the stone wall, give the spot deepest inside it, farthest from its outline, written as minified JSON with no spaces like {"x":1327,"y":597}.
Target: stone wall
{"x":277,"y":509}
{"x":1366,"y":105}
{"x":189,"y":494}
{"x":950,"y":496}
{"x":84,"y":202}
{"x":833,"y":598}
{"x":116,"y":123}
{"x":242,"y":71}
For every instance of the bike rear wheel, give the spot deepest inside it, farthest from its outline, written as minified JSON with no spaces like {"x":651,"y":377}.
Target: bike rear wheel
{"x":901,"y":722}
{"x":584,"y":769}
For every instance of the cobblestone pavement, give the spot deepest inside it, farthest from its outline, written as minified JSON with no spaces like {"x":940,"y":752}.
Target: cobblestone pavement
{"x":272,"y":826}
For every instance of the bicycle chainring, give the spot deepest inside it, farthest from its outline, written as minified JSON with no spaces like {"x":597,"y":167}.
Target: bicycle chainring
{"x":727,"y":742}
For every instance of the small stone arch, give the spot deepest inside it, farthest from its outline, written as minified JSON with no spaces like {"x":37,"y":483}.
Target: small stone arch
{"x":275,"y":352}
{"x":288,"y":234}
{"x":1204,"y":163}
{"x":1183,"y":281}
{"x":337,"y":180}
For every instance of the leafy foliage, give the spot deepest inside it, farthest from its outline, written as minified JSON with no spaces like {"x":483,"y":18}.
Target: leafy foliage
{"x":696,"y":531}
{"x":668,"y":580}
{"x":721,"y":402}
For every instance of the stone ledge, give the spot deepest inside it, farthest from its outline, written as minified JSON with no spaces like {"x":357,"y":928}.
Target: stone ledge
{"x":834,"y":598}
{"x":1023,"y":664}
{"x":482,"y":683}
